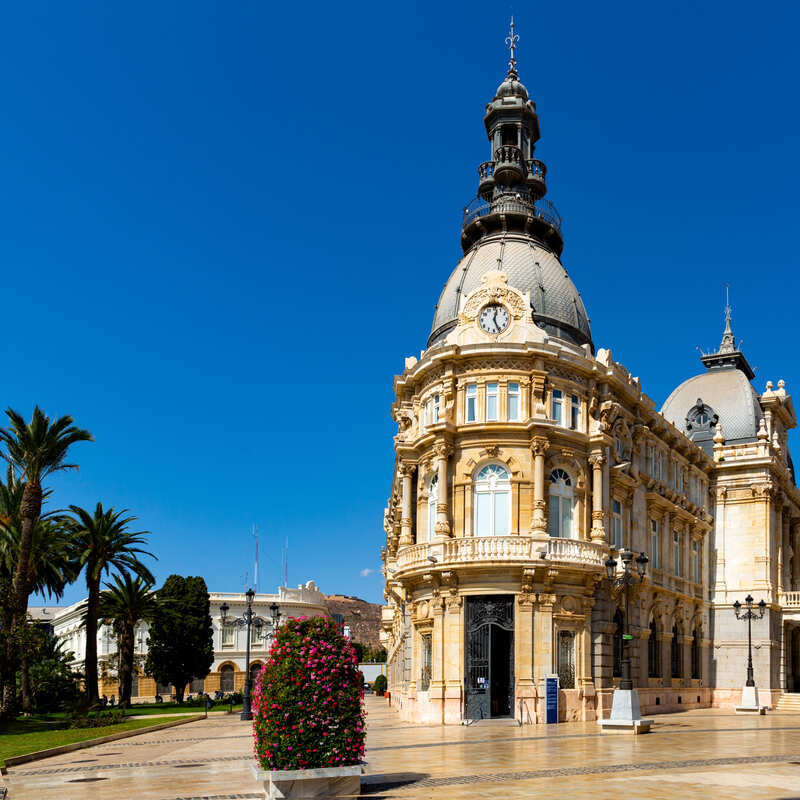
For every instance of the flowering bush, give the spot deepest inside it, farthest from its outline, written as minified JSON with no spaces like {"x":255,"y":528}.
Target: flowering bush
{"x":308,"y":699}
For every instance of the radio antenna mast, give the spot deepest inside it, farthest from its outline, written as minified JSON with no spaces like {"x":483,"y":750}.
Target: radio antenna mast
{"x":254,"y":531}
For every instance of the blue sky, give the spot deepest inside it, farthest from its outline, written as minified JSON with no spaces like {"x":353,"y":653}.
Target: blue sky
{"x":224,"y":226}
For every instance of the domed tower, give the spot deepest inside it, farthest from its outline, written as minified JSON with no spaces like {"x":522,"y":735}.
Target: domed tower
{"x":510,"y":226}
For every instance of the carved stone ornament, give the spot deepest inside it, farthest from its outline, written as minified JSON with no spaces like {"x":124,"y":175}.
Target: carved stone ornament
{"x":495,"y":289}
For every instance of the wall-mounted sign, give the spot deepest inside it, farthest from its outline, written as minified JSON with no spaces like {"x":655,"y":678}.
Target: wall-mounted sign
{"x":551,"y":698}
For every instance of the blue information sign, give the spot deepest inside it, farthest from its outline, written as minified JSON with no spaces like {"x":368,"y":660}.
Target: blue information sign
{"x":551,"y":698}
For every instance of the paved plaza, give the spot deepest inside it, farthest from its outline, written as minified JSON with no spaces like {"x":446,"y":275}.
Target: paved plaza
{"x":694,"y":754}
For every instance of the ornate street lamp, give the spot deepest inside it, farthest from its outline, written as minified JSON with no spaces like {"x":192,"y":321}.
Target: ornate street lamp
{"x":247,"y":620}
{"x":749,"y":615}
{"x":624,"y":582}
{"x":270,"y":633}
{"x":625,"y":712}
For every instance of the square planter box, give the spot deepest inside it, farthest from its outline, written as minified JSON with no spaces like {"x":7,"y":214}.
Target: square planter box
{"x":324,"y":782}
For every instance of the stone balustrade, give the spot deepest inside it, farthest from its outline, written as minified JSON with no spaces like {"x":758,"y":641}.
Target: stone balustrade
{"x":789,"y":600}
{"x":493,"y":549}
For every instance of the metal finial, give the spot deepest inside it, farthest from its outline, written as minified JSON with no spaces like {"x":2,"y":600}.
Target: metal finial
{"x":511,"y":42}
{"x":728,"y":342}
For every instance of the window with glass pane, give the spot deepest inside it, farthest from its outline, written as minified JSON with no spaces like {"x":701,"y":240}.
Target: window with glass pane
{"x":226,"y":678}
{"x":436,"y":408}
{"x":560,"y":505}
{"x":655,"y":548}
{"x":696,"y":561}
{"x":492,"y":491}
{"x":676,"y":553}
{"x":566,"y":660}
{"x":650,"y":468}
{"x":513,"y":402}
{"x":659,"y":465}
{"x":491,"y":402}
{"x":255,"y":634}
{"x":558,"y":403}
{"x":575,"y":413}
{"x":617,"y":524}
{"x":228,"y":634}
{"x":428,"y":411}
{"x":472,"y":402}
{"x":426,"y":662}
{"x":433,"y":497}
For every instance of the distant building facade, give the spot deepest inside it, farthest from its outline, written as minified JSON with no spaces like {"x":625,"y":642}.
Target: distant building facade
{"x":228,"y":670}
{"x":524,"y":458}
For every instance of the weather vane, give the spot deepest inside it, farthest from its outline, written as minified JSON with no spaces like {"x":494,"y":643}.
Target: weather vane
{"x":511,"y":41}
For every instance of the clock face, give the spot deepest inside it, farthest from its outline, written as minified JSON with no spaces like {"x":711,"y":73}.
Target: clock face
{"x":494,"y":318}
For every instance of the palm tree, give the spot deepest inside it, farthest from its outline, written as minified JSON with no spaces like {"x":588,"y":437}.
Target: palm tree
{"x":35,"y":450}
{"x":51,"y":566}
{"x":102,"y":541}
{"x":124,"y":604}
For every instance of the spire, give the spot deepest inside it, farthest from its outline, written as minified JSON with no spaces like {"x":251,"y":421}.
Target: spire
{"x":728,"y":356}
{"x":728,"y":342}
{"x":511,"y":43}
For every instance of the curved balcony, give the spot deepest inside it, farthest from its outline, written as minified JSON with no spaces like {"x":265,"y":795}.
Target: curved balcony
{"x":512,"y":204}
{"x":501,"y":550}
{"x":508,"y":164}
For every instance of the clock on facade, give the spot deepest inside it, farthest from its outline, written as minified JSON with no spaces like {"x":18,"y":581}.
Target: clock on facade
{"x":494,"y":318}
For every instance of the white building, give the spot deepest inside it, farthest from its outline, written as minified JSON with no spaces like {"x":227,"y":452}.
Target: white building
{"x":230,"y":639}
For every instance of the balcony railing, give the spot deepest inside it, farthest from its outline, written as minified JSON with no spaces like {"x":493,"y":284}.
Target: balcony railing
{"x":512,"y":204}
{"x":501,"y":549}
{"x":789,"y":600}
{"x":533,"y":168}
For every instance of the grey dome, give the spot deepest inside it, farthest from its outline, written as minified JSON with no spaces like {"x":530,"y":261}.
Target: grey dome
{"x":729,"y":394}
{"x":530,"y":267}
{"x":511,"y":87}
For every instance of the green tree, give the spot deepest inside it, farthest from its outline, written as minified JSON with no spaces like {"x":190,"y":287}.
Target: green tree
{"x":102,"y":541}
{"x":54,"y":686}
{"x":124,"y":604}
{"x":181,"y":643}
{"x":34,"y":450}
{"x":51,"y":566}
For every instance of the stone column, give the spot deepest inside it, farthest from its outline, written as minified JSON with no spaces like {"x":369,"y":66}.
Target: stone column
{"x":406,"y":534}
{"x":452,"y":650}
{"x":524,"y":683}
{"x":686,"y":659}
{"x":785,"y":583}
{"x":796,"y":555}
{"x":598,"y":529}
{"x":538,"y":526}
{"x":442,"y":528}
{"x":666,"y":544}
{"x":644,"y":658}
{"x":437,"y":673}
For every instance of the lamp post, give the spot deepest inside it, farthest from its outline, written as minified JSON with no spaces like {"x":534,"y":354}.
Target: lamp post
{"x":625,"y":581}
{"x":625,"y":710}
{"x":749,"y":615}
{"x":275,"y":613}
{"x":247,"y":620}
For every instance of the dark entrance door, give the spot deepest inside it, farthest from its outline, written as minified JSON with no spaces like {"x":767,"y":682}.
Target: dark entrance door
{"x":489,"y":656}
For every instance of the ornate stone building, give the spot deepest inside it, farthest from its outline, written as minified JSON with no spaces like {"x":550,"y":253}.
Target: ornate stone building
{"x":524,"y":458}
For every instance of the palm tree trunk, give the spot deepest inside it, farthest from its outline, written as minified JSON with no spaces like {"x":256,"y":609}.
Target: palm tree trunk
{"x":125,"y":645}
{"x":30,"y":511}
{"x":26,"y":684}
{"x":90,"y":660}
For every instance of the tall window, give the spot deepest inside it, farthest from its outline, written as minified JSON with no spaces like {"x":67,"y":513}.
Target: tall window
{"x":675,"y":653}
{"x":433,"y":498}
{"x":426,"y":662}
{"x":655,"y":544}
{"x":676,"y":553}
{"x":436,"y":407}
{"x":513,"y":402}
{"x":560,"y":508}
{"x":566,"y":659}
{"x":255,"y":668}
{"x":696,"y":653}
{"x":659,"y":464}
{"x":616,"y":528}
{"x":226,"y":678}
{"x":653,"y":652}
{"x":618,"y":644}
{"x":472,"y":402}
{"x":696,"y":562}
{"x":492,"y":501}
{"x":491,"y":402}
{"x":575,"y":413}
{"x":558,"y":406}
{"x":255,"y":635}
{"x":428,"y":411}
{"x":650,"y":467}
{"x":228,"y":635}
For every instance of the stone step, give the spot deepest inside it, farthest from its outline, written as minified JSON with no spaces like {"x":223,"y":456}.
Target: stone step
{"x":788,"y":702}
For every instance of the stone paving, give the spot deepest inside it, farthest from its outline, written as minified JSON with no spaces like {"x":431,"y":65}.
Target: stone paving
{"x":689,"y":755}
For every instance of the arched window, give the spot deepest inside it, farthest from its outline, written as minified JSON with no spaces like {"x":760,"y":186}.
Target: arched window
{"x":654,"y":652}
{"x":492,"y":501}
{"x":675,"y":653}
{"x":255,"y":668}
{"x":226,"y":678}
{"x":696,"y":653}
{"x":561,"y":503}
{"x":433,"y":498}
{"x":618,"y":644}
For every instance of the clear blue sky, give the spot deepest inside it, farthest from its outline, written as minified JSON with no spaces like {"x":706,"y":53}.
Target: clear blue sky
{"x":224,"y":226}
